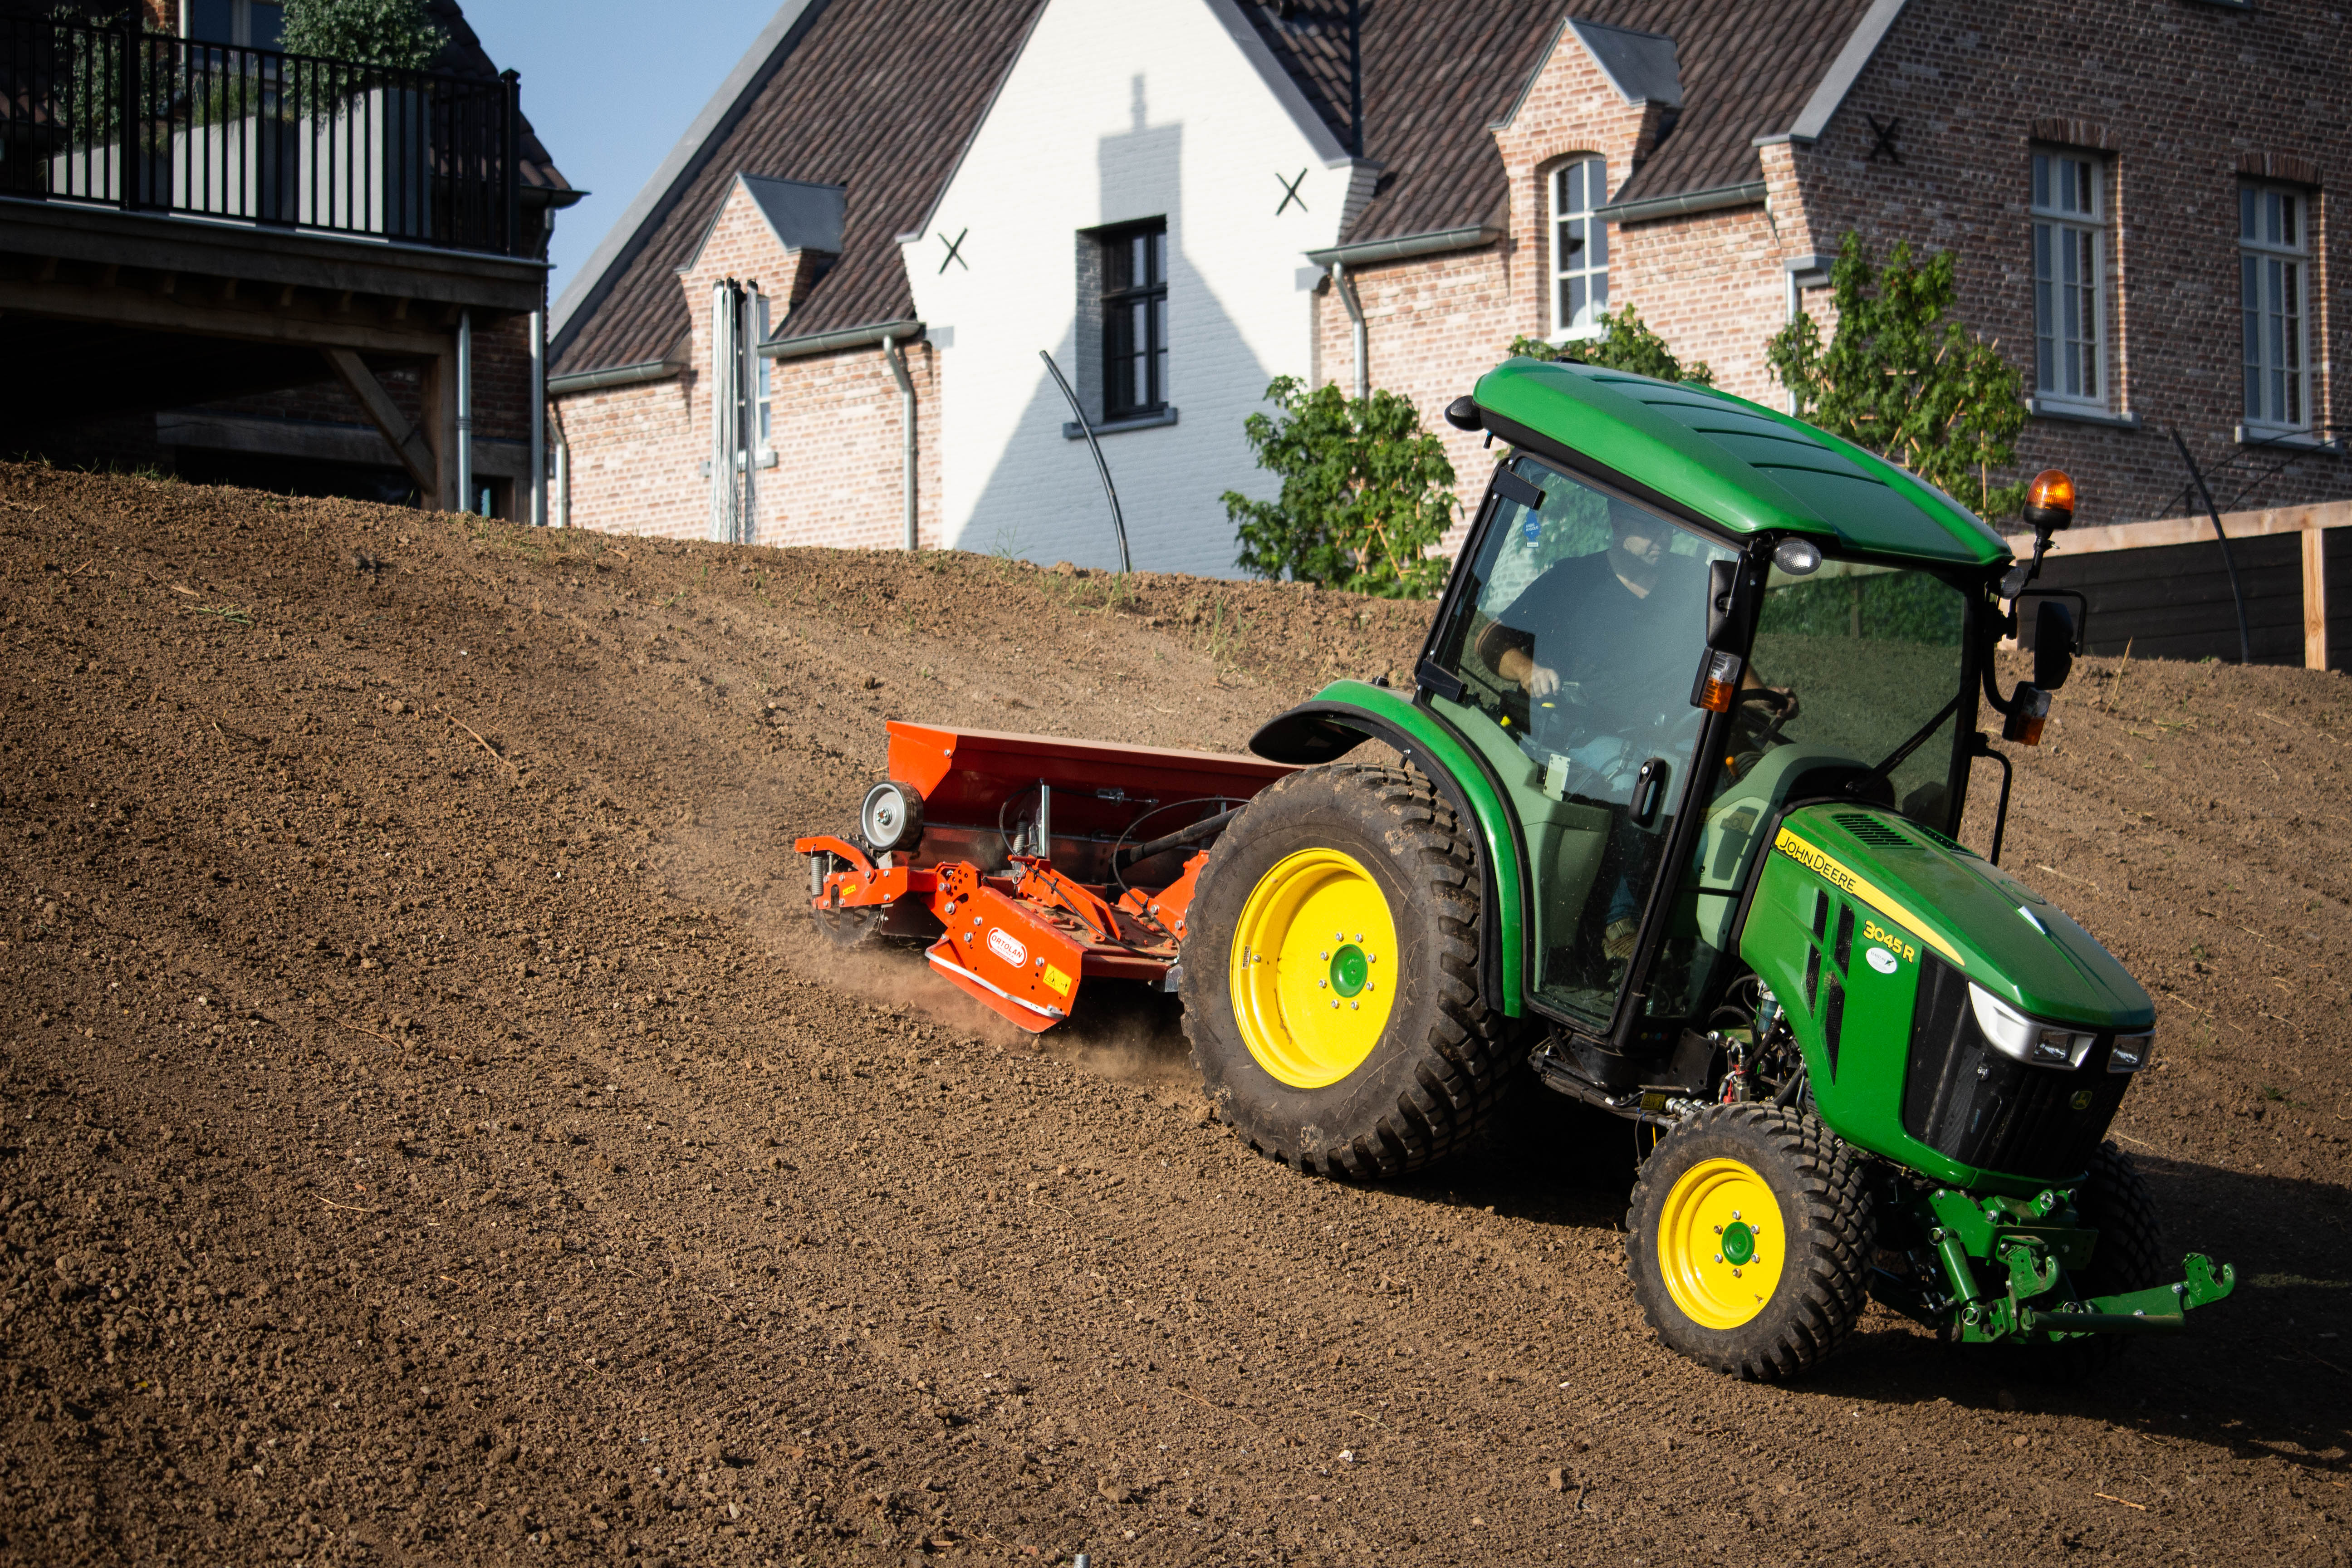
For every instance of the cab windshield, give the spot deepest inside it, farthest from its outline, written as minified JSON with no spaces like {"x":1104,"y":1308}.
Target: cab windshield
{"x":1869,"y":661}
{"x":1576,"y":635}
{"x":1873,"y":656}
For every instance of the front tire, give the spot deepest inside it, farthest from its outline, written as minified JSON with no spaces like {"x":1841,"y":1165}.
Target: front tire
{"x":1748,"y":1240}
{"x":1330,"y":981}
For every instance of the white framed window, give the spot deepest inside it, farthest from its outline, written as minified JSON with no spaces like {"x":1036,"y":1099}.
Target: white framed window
{"x":1580,"y":247}
{"x":2070,"y":306}
{"x":2273,"y":267}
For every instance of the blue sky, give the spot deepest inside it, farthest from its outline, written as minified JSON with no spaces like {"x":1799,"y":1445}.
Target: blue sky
{"x":610,"y":87}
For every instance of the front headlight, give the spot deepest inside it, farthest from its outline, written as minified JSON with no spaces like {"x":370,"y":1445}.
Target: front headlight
{"x":2014,"y":1033}
{"x":2130,"y":1052}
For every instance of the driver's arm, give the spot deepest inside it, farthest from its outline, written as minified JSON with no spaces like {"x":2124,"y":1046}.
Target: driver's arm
{"x":1749,"y":681}
{"x":1518,"y":666}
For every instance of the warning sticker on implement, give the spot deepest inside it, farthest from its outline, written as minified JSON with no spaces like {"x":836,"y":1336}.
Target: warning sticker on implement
{"x":1058,"y":980}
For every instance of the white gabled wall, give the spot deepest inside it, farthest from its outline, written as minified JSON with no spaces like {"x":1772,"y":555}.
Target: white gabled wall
{"x":1117,"y":110}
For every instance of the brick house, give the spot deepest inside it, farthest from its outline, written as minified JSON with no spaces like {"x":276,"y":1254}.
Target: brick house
{"x":312,"y":277}
{"x":1182,"y":198}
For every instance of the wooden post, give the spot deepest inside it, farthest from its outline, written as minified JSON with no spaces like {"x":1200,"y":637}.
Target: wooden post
{"x":441,"y":418}
{"x":2315,"y":599}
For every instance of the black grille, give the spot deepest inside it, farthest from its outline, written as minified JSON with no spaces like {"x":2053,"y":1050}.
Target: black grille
{"x":1967,"y":1101}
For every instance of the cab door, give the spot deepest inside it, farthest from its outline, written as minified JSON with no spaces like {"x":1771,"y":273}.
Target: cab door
{"x":1567,"y":656}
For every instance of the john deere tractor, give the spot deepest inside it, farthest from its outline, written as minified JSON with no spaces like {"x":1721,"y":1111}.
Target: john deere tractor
{"x":1675,"y":825}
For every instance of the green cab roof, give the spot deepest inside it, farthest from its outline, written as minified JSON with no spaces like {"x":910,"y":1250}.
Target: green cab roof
{"x":1737,"y":463}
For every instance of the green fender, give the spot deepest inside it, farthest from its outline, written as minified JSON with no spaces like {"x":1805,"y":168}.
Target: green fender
{"x":1346,"y":713}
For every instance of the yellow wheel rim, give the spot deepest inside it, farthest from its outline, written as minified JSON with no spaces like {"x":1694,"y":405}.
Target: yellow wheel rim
{"x":1313,"y":967}
{"x":1721,"y":1244}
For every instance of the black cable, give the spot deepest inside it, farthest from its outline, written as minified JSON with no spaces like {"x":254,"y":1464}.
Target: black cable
{"x":1120,"y":842}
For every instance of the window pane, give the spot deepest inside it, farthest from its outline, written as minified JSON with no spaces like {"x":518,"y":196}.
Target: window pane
{"x":2040,"y":179}
{"x":2082,"y":188}
{"x":2245,"y":215}
{"x":1596,"y":242}
{"x":2250,"y":310}
{"x":2288,"y":227}
{"x":1600,"y":293}
{"x":1576,"y":315}
{"x":1574,"y":175}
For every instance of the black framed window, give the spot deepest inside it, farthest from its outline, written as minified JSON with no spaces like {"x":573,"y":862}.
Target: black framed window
{"x":1135,"y":319}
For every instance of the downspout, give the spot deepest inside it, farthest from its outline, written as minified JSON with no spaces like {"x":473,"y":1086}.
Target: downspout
{"x":561,"y":511}
{"x":538,"y":416}
{"x":1796,"y":305}
{"x":1347,"y":293}
{"x":897,"y":363}
{"x":464,"y":411}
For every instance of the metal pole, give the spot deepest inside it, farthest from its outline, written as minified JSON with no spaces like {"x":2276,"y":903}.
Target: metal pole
{"x":511,"y":140}
{"x":1087,"y":427}
{"x":897,"y":363}
{"x":538,"y":416}
{"x":2245,"y":643}
{"x":466,"y":411}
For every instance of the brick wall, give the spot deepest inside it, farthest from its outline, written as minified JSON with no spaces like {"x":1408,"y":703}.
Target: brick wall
{"x":2173,"y":99}
{"x":638,"y":453}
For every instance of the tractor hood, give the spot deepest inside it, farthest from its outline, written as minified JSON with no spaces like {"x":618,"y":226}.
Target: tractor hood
{"x":1992,"y":927}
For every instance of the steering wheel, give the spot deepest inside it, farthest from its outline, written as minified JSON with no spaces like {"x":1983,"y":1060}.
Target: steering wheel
{"x":1782,"y":704}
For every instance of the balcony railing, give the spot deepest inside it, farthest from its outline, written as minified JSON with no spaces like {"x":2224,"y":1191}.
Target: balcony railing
{"x":145,"y":122}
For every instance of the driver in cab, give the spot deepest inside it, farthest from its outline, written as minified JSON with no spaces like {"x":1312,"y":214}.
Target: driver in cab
{"x":1605,"y":646}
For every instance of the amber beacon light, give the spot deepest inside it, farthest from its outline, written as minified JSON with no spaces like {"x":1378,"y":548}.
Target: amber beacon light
{"x":2050,"y":500}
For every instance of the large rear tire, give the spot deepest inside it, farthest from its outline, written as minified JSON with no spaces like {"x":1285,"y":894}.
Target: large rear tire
{"x":1748,"y":1240}
{"x":1331,"y":980}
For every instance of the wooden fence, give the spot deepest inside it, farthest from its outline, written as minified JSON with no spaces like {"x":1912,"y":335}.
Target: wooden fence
{"x":2162,"y":589}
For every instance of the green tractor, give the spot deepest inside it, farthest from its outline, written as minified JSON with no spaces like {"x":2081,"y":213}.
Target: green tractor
{"x":1676,"y":827}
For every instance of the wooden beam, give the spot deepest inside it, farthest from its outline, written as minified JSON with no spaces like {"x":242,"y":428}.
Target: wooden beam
{"x":2198,"y":530}
{"x":140,"y":308}
{"x":415,"y":455}
{"x":2315,"y":600}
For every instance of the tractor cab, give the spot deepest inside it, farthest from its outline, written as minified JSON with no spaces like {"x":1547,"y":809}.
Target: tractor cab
{"x":1574,"y":654}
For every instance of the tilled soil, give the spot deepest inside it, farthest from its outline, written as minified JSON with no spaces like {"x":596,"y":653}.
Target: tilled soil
{"x":432,"y":1134}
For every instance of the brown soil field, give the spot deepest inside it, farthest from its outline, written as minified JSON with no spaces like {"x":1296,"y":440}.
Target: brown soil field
{"x":430,"y":1133}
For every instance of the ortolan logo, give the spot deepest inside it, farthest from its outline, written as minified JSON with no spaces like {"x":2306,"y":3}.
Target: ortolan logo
{"x":1007,"y":946}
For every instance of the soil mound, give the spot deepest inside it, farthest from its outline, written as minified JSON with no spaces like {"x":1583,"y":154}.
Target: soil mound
{"x":428,"y":1132}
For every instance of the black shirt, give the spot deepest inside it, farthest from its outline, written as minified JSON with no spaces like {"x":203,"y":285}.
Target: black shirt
{"x":1630,"y":657}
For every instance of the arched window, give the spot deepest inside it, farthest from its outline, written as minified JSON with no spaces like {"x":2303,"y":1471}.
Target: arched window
{"x":1580,"y":247}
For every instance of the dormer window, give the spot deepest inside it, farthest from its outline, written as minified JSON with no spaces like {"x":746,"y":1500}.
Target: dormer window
{"x":1580,"y":247}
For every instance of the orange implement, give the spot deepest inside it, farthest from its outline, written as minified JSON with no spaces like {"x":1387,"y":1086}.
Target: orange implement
{"x":1029,"y":863}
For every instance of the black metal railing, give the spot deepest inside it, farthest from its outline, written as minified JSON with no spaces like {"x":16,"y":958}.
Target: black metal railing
{"x":147,"y":122}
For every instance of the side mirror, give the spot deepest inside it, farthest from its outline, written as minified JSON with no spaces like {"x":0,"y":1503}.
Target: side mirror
{"x":1463,"y":414}
{"x":2053,"y":644}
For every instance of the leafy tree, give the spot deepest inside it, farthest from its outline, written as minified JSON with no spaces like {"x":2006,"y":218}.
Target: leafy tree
{"x":1627,"y":343}
{"x":1903,"y":378}
{"x":1366,"y":492}
{"x":396,"y":32}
